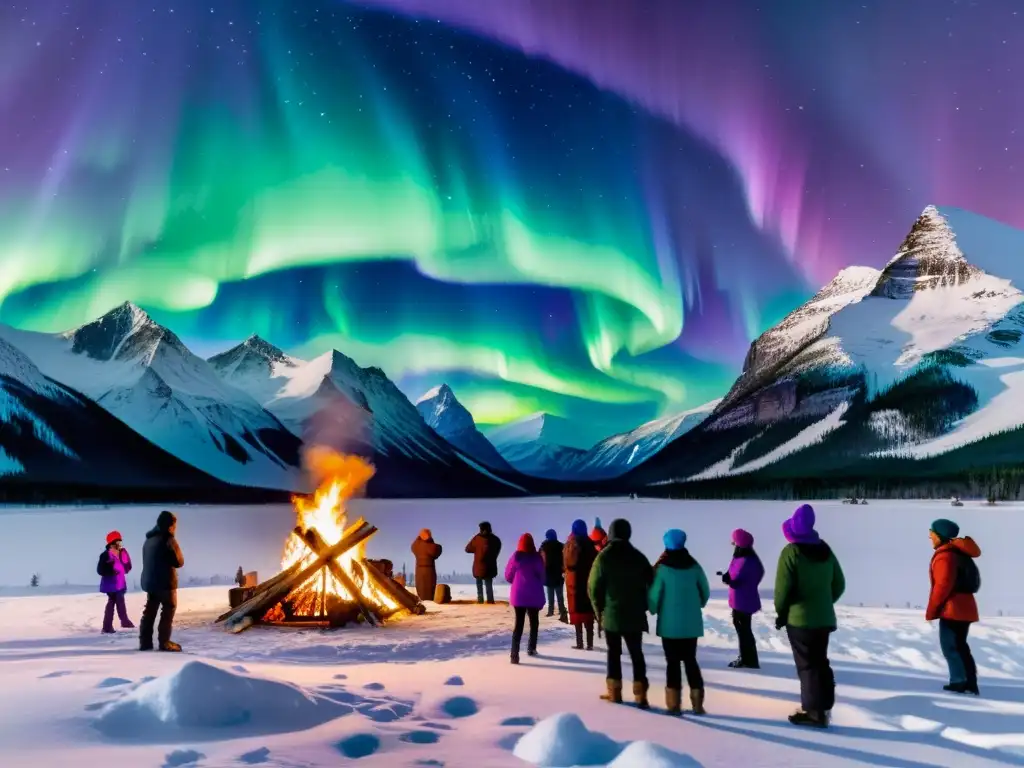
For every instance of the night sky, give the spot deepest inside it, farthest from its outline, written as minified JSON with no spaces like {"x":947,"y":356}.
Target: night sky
{"x":587,"y":207}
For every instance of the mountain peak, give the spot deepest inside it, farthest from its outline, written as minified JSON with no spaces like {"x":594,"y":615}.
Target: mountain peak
{"x":440,"y":392}
{"x":928,"y":257}
{"x":443,"y":412}
{"x":105,"y":338}
{"x":264,"y":348}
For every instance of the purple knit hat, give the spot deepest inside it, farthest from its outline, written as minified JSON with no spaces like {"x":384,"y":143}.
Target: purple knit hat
{"x":799,"y":529}
{"x":742,"y":539}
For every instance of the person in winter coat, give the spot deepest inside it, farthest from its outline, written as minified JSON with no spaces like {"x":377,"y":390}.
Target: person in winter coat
{"x":551,"y":551}
{"x":426,"y":552}
{"x":578,"y":557}
{"x":161,"y":559}
{"x":485,"y":548}
{"x":677,"y":597}
{"x":525,"y":572}
{"x":954,"y":580}
{"x":743,"y":579}
{"x":618,"y":588}
{"x":598,"y":535}
{"x":113,"y":566}
{"x":808,"y":582}
{"x":600,"y":539}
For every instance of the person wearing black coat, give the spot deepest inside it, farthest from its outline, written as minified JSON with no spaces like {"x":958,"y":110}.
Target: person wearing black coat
{"x":161,"y":559}
{"x":426,"y":551}
{"x":554,"y":577}
{"x":485,"y":548}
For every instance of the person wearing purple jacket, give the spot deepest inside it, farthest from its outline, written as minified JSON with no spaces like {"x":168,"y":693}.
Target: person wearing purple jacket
{"x":743,"y":579}
{"x":114,"y":564}
{"x":525,"y":572}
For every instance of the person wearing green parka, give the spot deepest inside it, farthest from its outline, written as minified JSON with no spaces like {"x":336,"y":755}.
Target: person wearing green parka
{"x":618,"y":588}
{"x":808,"y":583}
{"x":677,"y":597}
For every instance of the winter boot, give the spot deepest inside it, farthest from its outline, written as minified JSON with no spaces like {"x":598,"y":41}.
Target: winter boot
{"x":551,"y":612}
{"x":640,"y":695}
{"x":108,"y":631}
{"x":563,"y":617}
{"x":514,"y":657}
{"x":170,"y":646}
{"x":809,"y":719}
{"x":590,"y":637}
{"x":614,"y":693}
{"x":674,"y":701}
{"x":579,"y":637}
{"x":697,"y":701}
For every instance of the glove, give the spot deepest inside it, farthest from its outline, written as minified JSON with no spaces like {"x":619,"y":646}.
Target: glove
{"x":726,"y":578}
{"x":780,"y":622}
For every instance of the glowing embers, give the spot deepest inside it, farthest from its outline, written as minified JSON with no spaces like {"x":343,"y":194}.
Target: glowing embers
{"x":325,"y":579}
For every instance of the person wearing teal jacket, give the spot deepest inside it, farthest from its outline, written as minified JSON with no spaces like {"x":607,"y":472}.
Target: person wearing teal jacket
{"x":677,"y":597}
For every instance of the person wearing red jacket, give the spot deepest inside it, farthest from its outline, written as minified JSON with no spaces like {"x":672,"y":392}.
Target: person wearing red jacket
{"x":954,"y":580}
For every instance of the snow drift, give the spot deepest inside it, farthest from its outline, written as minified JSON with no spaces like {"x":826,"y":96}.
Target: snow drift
{"x":204,"y":701}
{"x":563,"y":741}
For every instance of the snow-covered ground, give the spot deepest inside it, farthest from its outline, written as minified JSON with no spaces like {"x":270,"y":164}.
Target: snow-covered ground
{"x":437,"y":690}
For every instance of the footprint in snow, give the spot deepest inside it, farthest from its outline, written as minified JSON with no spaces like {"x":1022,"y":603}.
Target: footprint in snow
{"x":438,"y":726}
{"x":341,"y":677}
{"x":420,"y":737}
{"x":524,"y":721}
{"x":52,"y":675}
{"x":113,"y":682}
{"x":240,"y":668}
{"x":456,"y":680}
{"x":180,"y":757}
{"x":459,"y":707}
{"x":373,"y":687}
{"x":358,"y":745}
{"x":255,"y":757}
{"x":436,"y":763}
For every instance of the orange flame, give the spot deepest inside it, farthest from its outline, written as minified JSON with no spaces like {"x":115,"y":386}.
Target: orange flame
{"x":340,"y":477}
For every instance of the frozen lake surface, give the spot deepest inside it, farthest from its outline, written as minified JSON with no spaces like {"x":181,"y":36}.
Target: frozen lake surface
{"x":883,"y":546}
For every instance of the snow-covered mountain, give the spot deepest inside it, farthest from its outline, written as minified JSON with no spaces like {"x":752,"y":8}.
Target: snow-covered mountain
{"x":144,"y":375}
{"x":332,"y":401}
{"x":52,"y":437}
{"x":539,"y":445}
{"x":451,"y":420}
{"x":618,"y":454}
{"x":914,"y":362}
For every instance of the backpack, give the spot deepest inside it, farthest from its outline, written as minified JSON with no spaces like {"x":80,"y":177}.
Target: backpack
{"x":104,"y":567}
{"x":968,"y":577}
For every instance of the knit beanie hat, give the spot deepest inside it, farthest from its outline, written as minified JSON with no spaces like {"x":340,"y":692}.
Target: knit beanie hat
{"x":946,"y":529}
{"x":674,"y":539}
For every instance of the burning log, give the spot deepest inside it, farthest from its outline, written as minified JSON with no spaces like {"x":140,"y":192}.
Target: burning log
{"x":403,"y":596}
{"x":264,"y":599}
{"x":316,"y":543}
{"x":323,"y":582}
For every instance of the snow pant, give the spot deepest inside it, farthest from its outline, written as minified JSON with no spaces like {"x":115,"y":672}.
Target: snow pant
{"x":635,"y":646}
{"x":517,"y":633}
{"x":115,"y":600}
{"x":426,"y":582}
{"x":481,"y":586}
{"x":953,"y":641}
{"x":589,"y":626}
{"x":166,"y":602}
{"x":679,"y":654}
{"x":554,"y":592}
{"x":817,"y":681}
{"x":748,"y":648}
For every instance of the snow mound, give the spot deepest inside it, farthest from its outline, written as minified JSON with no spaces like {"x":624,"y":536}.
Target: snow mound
{"x":644,"y":754}
{"x":203,"y":699}
{"x":562,"y":740}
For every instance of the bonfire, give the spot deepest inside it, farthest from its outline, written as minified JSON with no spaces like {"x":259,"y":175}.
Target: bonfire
{"x":325,"y":577}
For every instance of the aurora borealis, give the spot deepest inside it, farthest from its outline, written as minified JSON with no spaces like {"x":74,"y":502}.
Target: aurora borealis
{"x":588,"y":207}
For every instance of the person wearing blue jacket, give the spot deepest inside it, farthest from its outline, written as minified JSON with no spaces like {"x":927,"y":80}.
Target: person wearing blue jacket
{"x":677,"y":597}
